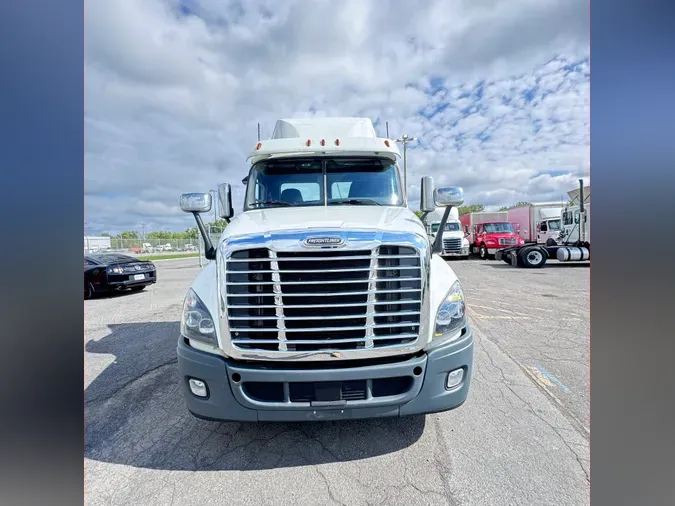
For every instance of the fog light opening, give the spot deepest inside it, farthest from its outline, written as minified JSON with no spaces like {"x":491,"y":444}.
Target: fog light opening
{"x":236,"y":377}
{"x":454,"y":378}
{"x":417,"y":371}
{"x":198,"y":387}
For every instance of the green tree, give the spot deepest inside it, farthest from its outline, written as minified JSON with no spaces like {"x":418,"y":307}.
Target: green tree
{"x":105,"y":234}
{"x":519,"y":204}
{"x":473,"y":208}
{"x":419,"y":214}
{"x":129,"y":234}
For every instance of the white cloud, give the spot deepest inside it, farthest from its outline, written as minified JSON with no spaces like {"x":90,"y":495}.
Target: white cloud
{"x":172,"y":100}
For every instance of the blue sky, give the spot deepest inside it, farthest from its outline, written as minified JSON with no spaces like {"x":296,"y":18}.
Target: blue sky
{"x":496,"y":91}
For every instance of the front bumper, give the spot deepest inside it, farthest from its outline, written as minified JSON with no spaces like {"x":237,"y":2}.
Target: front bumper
{"x":122,"y":281}
{"x":229,"y":398}
{"x":456,"y":252}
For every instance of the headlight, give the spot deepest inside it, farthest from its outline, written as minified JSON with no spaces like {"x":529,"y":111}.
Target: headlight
{"x":196,"y":322}
{"x":450,"y":317}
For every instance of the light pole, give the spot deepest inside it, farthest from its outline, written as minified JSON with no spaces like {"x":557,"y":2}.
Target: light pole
{"x":405,"y":140}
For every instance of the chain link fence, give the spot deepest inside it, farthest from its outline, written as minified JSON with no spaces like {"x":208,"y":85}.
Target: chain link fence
{"x":158,"y":248}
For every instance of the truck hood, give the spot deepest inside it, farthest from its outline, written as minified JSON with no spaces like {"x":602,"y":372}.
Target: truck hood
{"x":278,"y":219}
{"x":454,"y":234}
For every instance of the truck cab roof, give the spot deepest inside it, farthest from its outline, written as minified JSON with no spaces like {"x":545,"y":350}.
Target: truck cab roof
{"x":342,"y":136}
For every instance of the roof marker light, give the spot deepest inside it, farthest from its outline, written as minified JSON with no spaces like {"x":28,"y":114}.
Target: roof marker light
{"x":386,"y":143}
{"x":308,"y":143}
{"x":337,"y":142}
{"x":258,"y":146}
{"x":323,"y":142}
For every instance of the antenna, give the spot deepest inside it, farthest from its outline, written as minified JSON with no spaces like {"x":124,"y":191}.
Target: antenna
{"x":258,"y":132}
{"x":387,"y":123}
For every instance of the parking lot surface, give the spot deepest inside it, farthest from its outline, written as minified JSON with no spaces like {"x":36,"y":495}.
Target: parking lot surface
{"x":521,"y":437}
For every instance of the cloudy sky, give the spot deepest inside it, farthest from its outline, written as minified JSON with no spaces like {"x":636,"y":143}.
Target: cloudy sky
{"x":497,"y":91}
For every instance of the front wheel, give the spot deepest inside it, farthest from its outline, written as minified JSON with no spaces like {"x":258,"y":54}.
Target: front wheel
{"x":532,"y":258}
{"x":483,"y":252}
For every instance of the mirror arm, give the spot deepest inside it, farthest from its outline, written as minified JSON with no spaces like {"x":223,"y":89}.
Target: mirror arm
{"x":210,"y":252}
{"x":438,"y":241}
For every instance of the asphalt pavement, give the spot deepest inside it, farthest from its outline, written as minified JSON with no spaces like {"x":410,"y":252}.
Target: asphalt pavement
{"x":521,"y":437}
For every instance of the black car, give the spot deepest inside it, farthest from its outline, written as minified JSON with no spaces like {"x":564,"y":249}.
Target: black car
{"x":108,"y":272}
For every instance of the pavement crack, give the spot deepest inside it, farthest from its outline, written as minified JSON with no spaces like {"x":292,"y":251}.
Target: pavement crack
{"x":330,"y":491}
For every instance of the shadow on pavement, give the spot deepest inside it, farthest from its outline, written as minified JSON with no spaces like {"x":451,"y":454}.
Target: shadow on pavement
{"x":547,"y":265}
{"x":134,"y":415}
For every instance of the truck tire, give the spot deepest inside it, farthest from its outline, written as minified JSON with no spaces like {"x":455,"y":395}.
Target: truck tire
{"x":483,"y":252}
{"x":533,"y":258}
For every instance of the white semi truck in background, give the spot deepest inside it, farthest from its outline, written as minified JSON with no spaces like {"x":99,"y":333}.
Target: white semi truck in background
{"x":573,"y":244}
{"x":454,"y":241}
{"x":325,"y":298}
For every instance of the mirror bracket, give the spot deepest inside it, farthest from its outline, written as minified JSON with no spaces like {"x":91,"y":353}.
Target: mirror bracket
{"x":209,"y":250}
{"x":437,"y":247}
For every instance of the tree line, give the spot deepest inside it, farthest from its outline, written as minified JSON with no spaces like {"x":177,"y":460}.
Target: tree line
{"x":189,"y":233}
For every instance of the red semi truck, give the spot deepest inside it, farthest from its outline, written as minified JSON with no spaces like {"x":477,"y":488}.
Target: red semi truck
{"x":488,"y":232}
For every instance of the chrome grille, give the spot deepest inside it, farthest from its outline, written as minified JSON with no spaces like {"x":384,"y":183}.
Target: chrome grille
{"x":323,"y":300}
{"x":508,"y":241}
{"x":452,"y":244}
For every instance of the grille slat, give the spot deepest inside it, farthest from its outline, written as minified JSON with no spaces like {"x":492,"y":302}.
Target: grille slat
{"x":452,"y":244}
{"x":320,"y":341}
{"x":278,"y":301}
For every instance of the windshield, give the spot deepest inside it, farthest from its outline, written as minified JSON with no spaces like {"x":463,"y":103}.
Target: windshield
{"x":328,"y":181}
{"x":449,"y":227}
{"x":554,"y":225}
{"x":496,"y":228}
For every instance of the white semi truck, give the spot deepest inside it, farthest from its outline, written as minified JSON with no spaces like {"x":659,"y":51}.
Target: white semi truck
{"x":454,"y":242}
{"x":572,"y":244}
{"x":325,"y":298}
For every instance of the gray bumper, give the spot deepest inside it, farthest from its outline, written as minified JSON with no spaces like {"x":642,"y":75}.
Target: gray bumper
{"x":456,"y":252}
{"x":229,"y":400}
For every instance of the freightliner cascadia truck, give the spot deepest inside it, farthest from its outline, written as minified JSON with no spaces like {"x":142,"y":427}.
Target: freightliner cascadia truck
{"x":324,"y":298}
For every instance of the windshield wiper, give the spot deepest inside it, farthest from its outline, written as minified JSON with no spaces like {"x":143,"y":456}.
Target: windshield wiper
{"x":272,"y":203}
{"x":355,"y":202}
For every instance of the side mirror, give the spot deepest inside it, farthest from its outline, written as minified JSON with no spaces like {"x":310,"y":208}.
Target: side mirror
{"x":225,"y":201}
{"x":466,"y":229}
{"x":195,"y":202}
{"x":427,"y":195}
{"x":445,"y":196}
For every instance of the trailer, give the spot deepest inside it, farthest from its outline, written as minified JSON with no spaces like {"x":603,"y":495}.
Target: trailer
{"x":572,"y":245}
{"x":537,"y":223}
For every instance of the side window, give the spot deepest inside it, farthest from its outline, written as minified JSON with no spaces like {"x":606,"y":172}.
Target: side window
{"x":576,"y":218}
{"x":543,"y":227}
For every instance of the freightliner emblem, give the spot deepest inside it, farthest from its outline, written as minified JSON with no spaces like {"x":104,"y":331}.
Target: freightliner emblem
{"x":323,"y":242}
